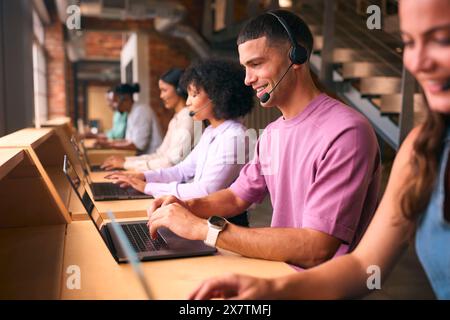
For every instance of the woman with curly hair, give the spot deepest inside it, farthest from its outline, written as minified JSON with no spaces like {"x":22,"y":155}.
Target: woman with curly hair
{"x":217,"y":95}
{"x":416,"y":203}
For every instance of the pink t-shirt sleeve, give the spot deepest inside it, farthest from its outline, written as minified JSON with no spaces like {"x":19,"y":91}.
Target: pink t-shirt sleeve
{"x":344,"y":173}
{"x":251,"y":184}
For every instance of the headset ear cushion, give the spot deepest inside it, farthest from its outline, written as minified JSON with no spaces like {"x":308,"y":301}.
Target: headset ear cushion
{"x":181,"y":92}
{"x":298,"y":55}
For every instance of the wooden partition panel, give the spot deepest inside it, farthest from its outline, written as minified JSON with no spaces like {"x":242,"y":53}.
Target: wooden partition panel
{"x":32,"y":261}
{"x":25,"y":196}
{"x":47,"y":147}
{"x":32,"y":229}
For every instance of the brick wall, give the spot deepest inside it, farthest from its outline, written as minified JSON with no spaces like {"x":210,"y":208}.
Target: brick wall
{"x":101,"y":45}
{"x":164,"y":54}
{"x":70,"y":90}
{"x":55,"y":53}
{"x":104,"y":41}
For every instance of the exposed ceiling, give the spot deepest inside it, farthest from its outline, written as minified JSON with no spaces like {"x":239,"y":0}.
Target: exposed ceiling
{"x":167,"y":17}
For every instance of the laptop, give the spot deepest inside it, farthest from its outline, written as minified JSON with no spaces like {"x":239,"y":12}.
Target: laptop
{"x":104,"y":191}
{"x":166,"y":245}
{"x":130,"y":253}
{"x":84,"y":159}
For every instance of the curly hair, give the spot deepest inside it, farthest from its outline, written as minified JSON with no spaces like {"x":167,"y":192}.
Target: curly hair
{"x":223,"y":82}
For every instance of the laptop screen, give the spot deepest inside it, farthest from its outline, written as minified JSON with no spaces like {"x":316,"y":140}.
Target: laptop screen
{"x":80,"y":154}
{"x":84,"y":152}
{"x":82,"y":158}
{"x":78,"y":186}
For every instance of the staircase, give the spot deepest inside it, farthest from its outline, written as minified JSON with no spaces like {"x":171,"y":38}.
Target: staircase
{"x":363,"y":67}
{"x":367,"y":69}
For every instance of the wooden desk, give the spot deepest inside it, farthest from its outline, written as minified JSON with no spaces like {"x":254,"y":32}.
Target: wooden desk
{"x":47,"y":147}
{"x":99,"y":176}
{"x":32,"y":228}
{"x":27,"y":195}
{"x":97,"y":156}
{"x":57,"y":122}
{"x":103,"y":278}
{"x":121,"y":208}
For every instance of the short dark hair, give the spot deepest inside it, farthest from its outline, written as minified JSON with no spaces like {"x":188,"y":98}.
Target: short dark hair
{"x":128,"y":89}
{"x":223,"y":82}
{"x":267,"y":25}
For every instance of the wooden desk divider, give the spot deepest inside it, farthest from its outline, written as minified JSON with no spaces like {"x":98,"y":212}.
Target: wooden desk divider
{"x":33,"y":223}
{"x":47,"y":147}
{"x":65,"y":130}
{"x":60,"y":121}
{"x":62,"y":124}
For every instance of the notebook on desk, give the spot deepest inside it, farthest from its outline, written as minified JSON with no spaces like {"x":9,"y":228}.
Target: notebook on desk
{"x":104,"y":191}
{"x":166,"y":245}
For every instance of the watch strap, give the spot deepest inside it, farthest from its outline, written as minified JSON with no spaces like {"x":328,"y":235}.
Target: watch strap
{"x":211,"y":237}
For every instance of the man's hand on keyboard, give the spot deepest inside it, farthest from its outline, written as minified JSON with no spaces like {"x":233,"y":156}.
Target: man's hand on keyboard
{"x":179,"y":220}
{"x":164,"y":201}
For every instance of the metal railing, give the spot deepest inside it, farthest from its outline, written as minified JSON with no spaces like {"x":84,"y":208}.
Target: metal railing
{"x":323,"y":65}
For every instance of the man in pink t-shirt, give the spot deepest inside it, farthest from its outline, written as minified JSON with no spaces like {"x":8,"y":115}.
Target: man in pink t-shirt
{"x":319,"y":162}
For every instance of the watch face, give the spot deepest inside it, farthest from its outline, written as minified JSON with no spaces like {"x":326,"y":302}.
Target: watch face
{"x":217,"y":221}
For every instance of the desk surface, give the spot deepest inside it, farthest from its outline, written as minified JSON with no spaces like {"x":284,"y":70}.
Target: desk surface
{"x":13,"y":155}
{"x":121,"y":208}
{"x":59,"y":121}
{"x":25,"y":137}
{"x":98,"y":155}
{"x":103,"y":278}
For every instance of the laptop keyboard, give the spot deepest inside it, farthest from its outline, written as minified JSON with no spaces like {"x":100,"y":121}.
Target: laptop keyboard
{"x":113,"y":190}
{"x":98,"y":168}
{"x":140,"y":238}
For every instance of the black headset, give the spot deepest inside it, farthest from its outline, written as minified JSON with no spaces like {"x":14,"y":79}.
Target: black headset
{"x":181,"y":92}
{"x":298,"y":54}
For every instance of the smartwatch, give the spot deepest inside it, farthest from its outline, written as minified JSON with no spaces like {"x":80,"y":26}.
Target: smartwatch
{"x":215,"y":225}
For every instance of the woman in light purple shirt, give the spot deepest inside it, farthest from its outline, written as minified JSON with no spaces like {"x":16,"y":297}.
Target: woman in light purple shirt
{"x":217,"y":95}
